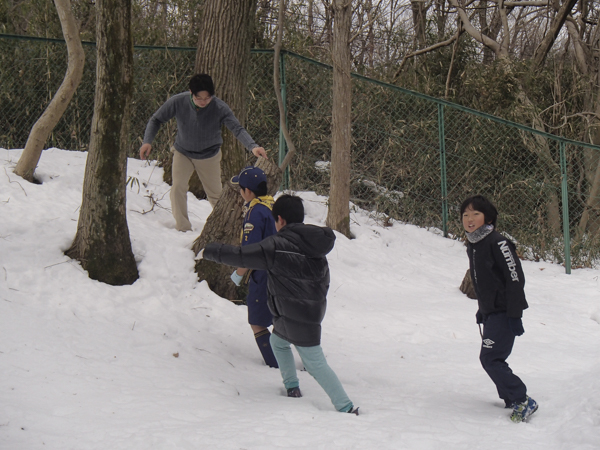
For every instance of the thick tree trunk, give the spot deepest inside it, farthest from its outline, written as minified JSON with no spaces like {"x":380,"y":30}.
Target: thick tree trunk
{"x":338,"y":215}
{"x":102,"y":243}
{"x":224,"y":225}
{"x":224,"y":53}
{"x":43,"y":127}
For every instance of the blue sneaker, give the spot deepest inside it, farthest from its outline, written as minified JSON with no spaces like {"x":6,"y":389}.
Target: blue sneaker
{"x":522,"y":411}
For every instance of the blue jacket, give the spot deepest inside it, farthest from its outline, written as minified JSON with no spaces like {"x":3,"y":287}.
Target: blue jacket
{"x":258,"y":224}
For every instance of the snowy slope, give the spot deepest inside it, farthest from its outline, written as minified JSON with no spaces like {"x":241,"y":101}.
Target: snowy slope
{"x":167,"y":364}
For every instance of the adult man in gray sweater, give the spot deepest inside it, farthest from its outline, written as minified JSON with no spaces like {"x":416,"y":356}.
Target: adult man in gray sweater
{"x":197,"y":146}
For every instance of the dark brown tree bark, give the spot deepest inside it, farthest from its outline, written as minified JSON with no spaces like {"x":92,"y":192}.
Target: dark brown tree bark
{"x":43,"y":127}
{"x":102,"y":243}
{"x":224,"y":225}
{"x":338,"y":214}
{"x":224,"y":53}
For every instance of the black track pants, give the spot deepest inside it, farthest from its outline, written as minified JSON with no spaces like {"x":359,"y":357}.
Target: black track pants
{"x":496,"y":346}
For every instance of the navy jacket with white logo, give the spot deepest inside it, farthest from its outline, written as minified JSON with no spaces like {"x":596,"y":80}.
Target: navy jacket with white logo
{"x":497,"y":276}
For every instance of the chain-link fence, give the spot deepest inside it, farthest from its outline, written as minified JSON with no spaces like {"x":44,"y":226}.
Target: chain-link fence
{"x":415,"y":158}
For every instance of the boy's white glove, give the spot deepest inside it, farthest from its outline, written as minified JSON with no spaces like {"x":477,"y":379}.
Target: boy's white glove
{"x":237,"y":279}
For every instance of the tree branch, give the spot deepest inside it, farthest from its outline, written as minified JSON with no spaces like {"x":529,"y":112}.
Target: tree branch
{"x":557,"y":23}
{"x":448,"y":77}
{"x":581,"y":58}
{"x":478,"y":35}
{"x":427,"y":50}
{"x":367,"y":25}
{"x":524,"y":3}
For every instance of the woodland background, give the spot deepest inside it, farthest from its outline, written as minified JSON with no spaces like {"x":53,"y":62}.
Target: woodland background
{"x":534,"y":63}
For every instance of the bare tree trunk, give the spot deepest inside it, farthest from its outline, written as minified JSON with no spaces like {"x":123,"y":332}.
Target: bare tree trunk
{"x":43,"y":127}
{"x":224,"y":53}
{"x":338,"y":214}
{"x":224,"y":225}
{"x":419,"y":15}
{"x":310,"y":8}
{"x":492,"y":29}
{"x":557,"y":23}
{"x":102,"y":243}
{"x":441,"y":17}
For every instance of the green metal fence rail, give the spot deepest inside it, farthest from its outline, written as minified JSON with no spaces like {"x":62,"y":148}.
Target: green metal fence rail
{"x":415,"y":158}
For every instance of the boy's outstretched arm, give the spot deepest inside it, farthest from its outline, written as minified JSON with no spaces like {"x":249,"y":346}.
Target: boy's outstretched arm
{"x":257,"y":256}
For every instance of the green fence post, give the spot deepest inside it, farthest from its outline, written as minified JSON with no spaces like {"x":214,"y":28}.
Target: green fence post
{"x":565,"y":207}
{"x":285,"y":182}
{"x":442,"y":138}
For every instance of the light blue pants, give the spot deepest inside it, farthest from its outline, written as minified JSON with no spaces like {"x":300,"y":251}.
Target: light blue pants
{"x":315,"y":363}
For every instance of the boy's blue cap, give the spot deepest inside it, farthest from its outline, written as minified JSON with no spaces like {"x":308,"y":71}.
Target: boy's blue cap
{"x":250,"y":177}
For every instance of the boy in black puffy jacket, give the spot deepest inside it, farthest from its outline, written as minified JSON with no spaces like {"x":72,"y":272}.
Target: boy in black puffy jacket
{"x":499,"y":283}
{"x":298,"y":281}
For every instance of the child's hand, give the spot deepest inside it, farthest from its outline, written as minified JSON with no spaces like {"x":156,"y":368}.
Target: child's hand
{"x":237,"y":279}
{"x":516,"y":326}
{"x":478,"y":317}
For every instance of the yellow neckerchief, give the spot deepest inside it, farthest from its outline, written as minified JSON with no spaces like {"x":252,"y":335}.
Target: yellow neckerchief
{"x":265,"y":200}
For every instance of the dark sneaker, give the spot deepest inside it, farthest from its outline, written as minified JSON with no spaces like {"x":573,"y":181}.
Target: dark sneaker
{"x":522,"y":411}
{"x":354,"y":410}
{"x":294,"y":392}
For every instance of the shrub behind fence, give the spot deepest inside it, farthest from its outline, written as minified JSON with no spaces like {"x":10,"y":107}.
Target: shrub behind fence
{"x":415,"y":158}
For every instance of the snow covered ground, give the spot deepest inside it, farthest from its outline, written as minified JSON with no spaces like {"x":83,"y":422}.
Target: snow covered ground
{"x":167,"y":364}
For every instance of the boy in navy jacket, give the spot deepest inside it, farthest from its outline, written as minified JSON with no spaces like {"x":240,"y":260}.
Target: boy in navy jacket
{"x":499,"y":283}
{"x":258,"y":224}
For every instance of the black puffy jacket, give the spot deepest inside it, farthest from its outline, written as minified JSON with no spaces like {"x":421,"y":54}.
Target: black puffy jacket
{"x":298,"y":277}
{"x":497,"y":276}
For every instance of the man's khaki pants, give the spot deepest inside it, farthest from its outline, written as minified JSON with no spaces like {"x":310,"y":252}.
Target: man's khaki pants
{"x":209,"y":172}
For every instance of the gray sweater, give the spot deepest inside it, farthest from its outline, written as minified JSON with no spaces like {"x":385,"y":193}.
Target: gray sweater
{"x":198,"y":129}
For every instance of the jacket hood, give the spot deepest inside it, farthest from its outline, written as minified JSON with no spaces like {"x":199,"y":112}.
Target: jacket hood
{"x":312,"y":240}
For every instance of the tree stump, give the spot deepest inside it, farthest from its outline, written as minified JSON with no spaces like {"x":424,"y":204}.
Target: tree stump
{"x":224,"y":225}
{"x":466,"y":287}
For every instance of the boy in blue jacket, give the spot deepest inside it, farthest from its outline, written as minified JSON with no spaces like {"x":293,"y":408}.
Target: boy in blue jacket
{"x":499,"y":283}
{"x":258,"y":224}
{"x":298,"y":281}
